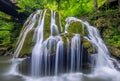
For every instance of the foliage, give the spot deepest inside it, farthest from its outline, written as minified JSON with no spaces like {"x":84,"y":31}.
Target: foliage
{"x":4,"y":38}
{"x":66,"y":7}
{"x":108,"y":22}
{"x":5,"y":30}
{"x":9,"y":29}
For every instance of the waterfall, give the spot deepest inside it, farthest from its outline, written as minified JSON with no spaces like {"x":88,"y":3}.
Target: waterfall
{"x":103,"y":55}
{"x":59,"y":57}
{"x":29,"y":24}
{"x":37,"y":50}
{"x":42,"y":50}
{"x":75,"y":53}
{"x":102,"y":64}
{"x":60,"y":53}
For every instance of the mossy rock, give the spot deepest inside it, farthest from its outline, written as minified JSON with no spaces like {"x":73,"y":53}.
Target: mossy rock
{"x":115,"y":51}
{"x":47,"y":23}
{"x":66,"y":36}
{"x":28,"y":42}
{"x":92,"y":50}
{"x":75,"y":27}
{"x":88,"y":45}
{"x":27,"y":45}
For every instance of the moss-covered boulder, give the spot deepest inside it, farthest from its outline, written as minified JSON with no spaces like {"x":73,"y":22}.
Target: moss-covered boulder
{"x":27,"y":45}
{"x":115,"y":52}
{"x":88,"y":45}
{"x":75,"y":27}
{"x":29,"y":31}
{"x":33,"y":21}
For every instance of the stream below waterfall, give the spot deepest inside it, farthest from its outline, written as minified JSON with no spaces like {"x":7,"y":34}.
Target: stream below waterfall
{"x":104,"y":74}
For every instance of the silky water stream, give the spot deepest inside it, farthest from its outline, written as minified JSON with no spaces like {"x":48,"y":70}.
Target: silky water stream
{"x":50,"y":60}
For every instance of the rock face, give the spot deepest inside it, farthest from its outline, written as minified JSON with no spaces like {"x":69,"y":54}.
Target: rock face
{"x":2,"y":52}
{"x":115,"y":52}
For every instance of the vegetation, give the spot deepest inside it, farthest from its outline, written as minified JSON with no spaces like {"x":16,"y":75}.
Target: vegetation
{"x":107,"y":20}
{"x":9,"y":30}
{"x":66,"y":7}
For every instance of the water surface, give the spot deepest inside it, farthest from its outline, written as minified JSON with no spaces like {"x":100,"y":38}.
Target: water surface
{"x":5,"y":64}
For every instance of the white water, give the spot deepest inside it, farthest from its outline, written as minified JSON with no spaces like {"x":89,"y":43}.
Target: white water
{"x":36,"y":52}
{"x":29,"y":24}
{"x":59,"y":57}
{"x":45,"y":65}
{"x":76,"y":53}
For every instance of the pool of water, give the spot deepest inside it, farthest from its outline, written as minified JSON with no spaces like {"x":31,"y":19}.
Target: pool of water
{"x":5,"y":63}
{"x":106,"y":75}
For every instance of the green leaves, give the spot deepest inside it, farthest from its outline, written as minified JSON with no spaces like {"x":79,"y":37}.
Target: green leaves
{"x":65,"y":7}
{"x":4,"y":38}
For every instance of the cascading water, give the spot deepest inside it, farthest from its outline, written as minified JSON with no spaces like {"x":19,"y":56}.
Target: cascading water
{"x":103,"y":56}
{"x":37,"y":52}
{"x":75,"y":53}
{"x":52,"y":56}
{"x":41,"y":58}
{"x":29,"y":24}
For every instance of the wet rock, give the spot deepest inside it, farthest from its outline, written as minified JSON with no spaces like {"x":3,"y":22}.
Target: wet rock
{"x":88,"y":45}
{"x":115,"y":51}
{"x":2,"y":52}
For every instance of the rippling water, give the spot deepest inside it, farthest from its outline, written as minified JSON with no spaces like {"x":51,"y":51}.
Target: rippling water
{"x":104,"y":74}
{"x":5,"y":64}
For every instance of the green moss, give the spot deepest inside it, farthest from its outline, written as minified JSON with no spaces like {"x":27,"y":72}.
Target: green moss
{"x":88,"y":45}
{"x":92,"y":50}
{"x":85,"y":31}
{"x":57,"y":21}
{"x":75,"y":27}
{"x":66,"y":36}
{"x":47,"y":24}
{"x":28,"y":44}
